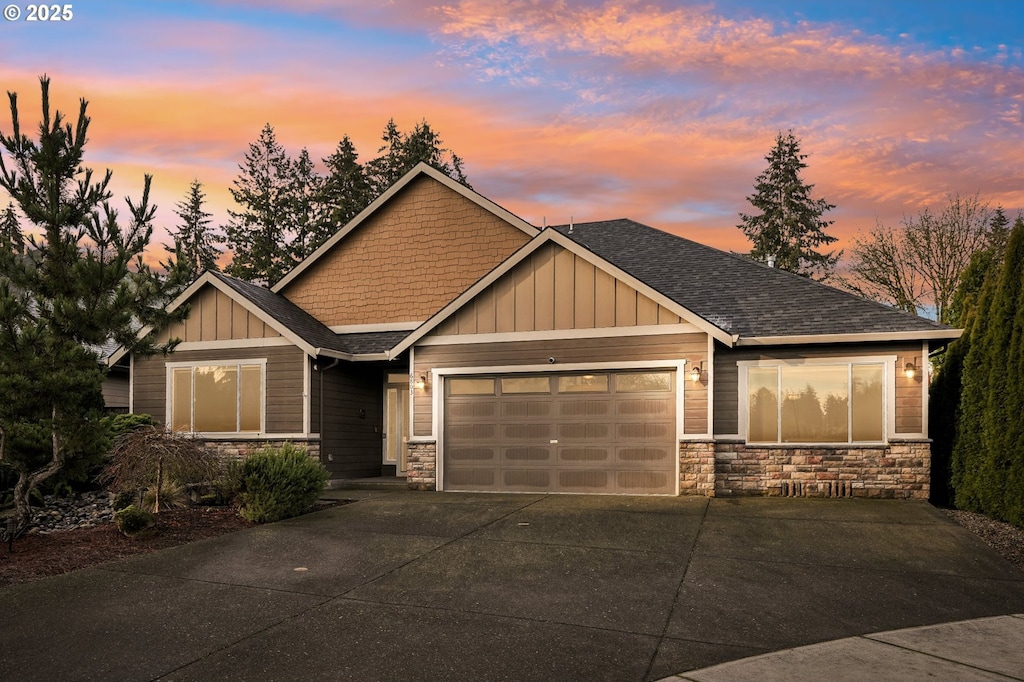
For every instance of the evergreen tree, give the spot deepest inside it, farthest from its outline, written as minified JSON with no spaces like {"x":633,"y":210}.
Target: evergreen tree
{"x":11,"y":238}
{"x":401,"y":152}
{"x":306,"y":218}
{"x":790,"y":225}
{"x":345,"y":191}
{"x":988,"y":455}
{"x":195,"y":243}
{"x":257,"y":234}
{"x":79,"y":285}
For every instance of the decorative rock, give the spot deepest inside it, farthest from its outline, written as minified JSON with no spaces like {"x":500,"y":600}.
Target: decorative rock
{"x":87,"y":510}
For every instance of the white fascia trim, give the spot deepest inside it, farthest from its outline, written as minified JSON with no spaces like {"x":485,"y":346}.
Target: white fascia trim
{"x":369,"y":328}
{"x":352,"y":357}
{"x":710,"y":369}
{"x":551,"y":234}
{"x":561,"y":334}
{"x":419,"y":169}
{"x":942,"y":334}
{"x":234,"y":344}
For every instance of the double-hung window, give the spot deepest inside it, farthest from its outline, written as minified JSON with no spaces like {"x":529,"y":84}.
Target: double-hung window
{"x":221,"y":397}
{"x":827,"y":402}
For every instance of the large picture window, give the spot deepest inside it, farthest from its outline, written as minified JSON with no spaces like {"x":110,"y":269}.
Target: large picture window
{"x":820,"y":403}
{"x":220,"y":398}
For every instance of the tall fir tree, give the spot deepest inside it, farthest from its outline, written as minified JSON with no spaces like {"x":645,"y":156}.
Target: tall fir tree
{"x":402,"y":151}
{"x":195,"y":246}
{"x":257,"y":234}
{"x":307,"y":222}
{"x":790,"y":226}
{"x":80,"y":284}
{"x":988,"y":454}
{"x":345,"y":190}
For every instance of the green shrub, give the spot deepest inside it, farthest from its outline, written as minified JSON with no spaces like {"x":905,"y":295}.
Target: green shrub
{"x":135,"y":522}
{"x":121,"y":424}
{"x":278,"y":483}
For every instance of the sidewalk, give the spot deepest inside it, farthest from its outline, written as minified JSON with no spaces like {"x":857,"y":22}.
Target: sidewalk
{"x":982,"y":649}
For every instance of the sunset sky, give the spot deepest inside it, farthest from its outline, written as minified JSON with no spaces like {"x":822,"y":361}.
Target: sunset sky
{"x":657,"y":111}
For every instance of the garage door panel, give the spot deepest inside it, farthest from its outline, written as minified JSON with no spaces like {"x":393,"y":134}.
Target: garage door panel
{"x":583,"y":480}
{"x":511,"y":409}
{"x":469,"y":410}
{"x":464,"y":453}
{"x":584,"y":431}
{"x":528,"y":454}
{"x":527,"y":431}
{"x":573,"y":406}
{"x":527,"y":479}
{"x":575,"y":439}
{"x":472,"y":432}
{"x":644,"y":482}
{"x":590,"y":454}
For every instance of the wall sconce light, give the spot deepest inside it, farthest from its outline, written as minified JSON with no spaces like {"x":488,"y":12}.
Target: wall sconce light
{"x":421,"y":383}
{"x":909,"y":370}
{"x":695,"y":373}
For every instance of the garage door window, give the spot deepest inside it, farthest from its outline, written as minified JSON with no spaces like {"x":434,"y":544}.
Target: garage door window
{"x":583,"y":383}
{"x":510,"y":385}
{"x":471,"y":386}
{"x":643,"y":382}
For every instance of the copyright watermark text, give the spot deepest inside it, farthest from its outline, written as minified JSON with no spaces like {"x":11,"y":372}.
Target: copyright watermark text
{"x":39,"y":12}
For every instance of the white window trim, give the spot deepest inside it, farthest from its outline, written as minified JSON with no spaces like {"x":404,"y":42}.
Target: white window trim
{"x":888,"y":363}
{"x":239,"y":435}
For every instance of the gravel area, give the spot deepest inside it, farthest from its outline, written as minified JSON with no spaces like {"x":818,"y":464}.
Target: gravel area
{"x":1005,"y":539}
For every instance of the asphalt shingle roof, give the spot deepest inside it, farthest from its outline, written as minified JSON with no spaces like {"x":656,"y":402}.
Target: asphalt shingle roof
{"x":738,"y":295}
{"x":307,"y":327}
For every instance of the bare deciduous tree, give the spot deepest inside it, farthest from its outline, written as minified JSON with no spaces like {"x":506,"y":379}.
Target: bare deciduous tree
{"x":919,"y":263}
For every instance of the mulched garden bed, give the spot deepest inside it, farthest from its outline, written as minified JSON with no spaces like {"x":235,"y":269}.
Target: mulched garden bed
{"x":39,"y":556}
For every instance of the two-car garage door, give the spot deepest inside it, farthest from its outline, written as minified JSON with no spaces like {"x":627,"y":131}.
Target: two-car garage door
{"x":600,"y":432}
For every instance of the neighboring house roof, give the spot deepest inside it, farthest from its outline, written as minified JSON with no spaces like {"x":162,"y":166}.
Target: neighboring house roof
{"x":749,"y":300}
{"x":421,"y":169}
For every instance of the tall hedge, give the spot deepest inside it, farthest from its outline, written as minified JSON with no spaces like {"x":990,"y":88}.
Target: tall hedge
{"x":988,"y":455}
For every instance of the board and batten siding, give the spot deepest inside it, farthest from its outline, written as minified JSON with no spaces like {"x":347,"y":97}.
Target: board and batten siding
{"x":909,"y":392}
{"x":633,"y":349}
{"x":554,"y":289}
{"x":215,"y":316}
{"x":284,"y":382}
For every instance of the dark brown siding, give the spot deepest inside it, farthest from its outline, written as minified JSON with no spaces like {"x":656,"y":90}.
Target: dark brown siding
{"x":692,"y":347}
{"x":353,"y":419}
{"x":908,"y":391}
{"x":284,"y":382}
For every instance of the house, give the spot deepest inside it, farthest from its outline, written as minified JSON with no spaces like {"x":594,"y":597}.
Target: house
{"x":441,"y":338}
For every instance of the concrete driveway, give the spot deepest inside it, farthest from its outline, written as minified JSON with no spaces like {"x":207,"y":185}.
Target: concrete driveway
{"x":428,"y":586}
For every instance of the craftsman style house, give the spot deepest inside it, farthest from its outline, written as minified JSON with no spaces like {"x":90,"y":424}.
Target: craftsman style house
{"x":441,"y":338}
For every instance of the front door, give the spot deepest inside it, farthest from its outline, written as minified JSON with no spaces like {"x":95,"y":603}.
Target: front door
{"x":396,"y":420}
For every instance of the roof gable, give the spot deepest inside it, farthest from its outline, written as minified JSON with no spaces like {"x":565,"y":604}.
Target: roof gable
{"x":648,"y":306}
{"x":408,"y":254}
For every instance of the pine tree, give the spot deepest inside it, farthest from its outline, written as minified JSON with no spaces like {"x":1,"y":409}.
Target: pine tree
{"x":195,"y":243}
{"x":790,"y":226}
{"x":257,"y":234}
{"x":81,"y":283}
{"x":345,"y":191}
